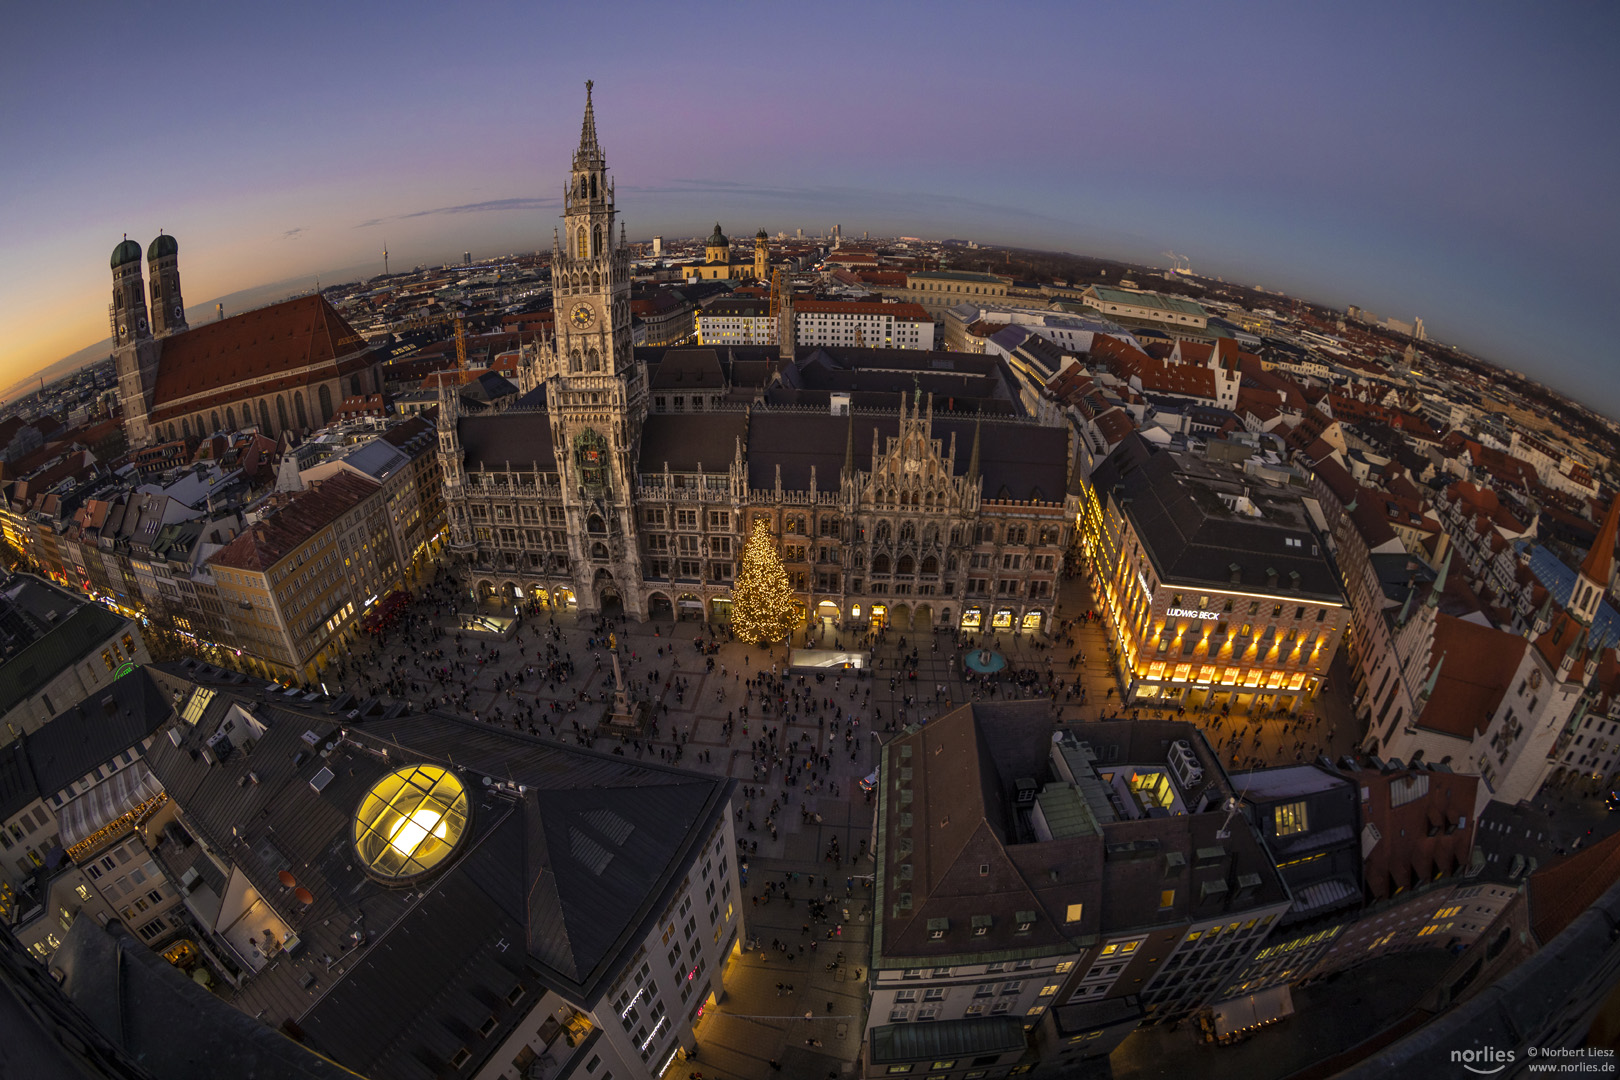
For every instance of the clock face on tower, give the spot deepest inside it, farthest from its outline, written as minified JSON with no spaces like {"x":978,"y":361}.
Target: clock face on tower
{"x":582,"y":316}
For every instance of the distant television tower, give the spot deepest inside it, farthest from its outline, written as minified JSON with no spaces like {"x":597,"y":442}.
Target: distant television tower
{"x":385,"y":260}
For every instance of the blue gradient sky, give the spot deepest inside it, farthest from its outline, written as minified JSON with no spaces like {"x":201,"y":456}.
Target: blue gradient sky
{"x":1454,"y":161}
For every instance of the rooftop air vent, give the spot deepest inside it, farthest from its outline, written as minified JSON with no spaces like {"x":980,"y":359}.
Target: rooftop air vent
{"x":321,"y":779}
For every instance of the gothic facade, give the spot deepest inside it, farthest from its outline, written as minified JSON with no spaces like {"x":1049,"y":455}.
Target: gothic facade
{"x":903,"y":490}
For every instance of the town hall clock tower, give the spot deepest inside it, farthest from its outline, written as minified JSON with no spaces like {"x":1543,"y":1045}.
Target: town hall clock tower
{"x":596,"y":394}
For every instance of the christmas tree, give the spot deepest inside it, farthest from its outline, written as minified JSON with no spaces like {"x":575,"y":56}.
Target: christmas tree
{"x":762,"y":606}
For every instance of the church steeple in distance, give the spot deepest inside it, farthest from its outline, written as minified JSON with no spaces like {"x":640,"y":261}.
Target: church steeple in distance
{"x":1593,"y":579}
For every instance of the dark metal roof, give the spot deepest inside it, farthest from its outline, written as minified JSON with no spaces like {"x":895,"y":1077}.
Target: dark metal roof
{"x":688,"y":369}
{"x":70,"y":641}
{"x":96,"y":729}
{"x":165,"y":1022}
{"x":17,"y":787}
{"x":526,"y":897}
{"x":518,"y":438}
{"x":1016,"y":461}
{"x":1174,"y":501}
{"x":686,"y":440}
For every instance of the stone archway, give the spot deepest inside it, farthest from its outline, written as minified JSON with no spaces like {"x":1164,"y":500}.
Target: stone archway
{"x":922,"y":617}
{"x":609,"y":601}
{"x":900,"y":617}
{"x":659,"y":606}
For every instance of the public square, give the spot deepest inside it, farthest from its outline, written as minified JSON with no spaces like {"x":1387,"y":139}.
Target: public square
{"x":796,"y":995}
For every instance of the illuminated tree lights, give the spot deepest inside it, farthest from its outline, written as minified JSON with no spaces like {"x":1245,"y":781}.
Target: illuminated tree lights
{"x":763,"y":608}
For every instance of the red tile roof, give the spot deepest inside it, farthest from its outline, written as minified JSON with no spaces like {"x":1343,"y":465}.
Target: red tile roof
{"x":914,"y":312}
{"x":1600,"y":559}
{"x":277,"y":536}
{"x":255,"y":345}
{"x":1479,"y":666}
{"x":1405,"y":853}
{"x":1561,"y":891}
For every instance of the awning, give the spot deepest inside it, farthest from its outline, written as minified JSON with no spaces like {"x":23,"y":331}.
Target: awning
{"x":126,"y":791}
{"x":1324,"y":894}
{"x":1244,"y":1013}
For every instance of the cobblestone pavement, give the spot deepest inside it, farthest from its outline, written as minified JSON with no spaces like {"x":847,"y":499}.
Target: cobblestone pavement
{"x":505,"y":683}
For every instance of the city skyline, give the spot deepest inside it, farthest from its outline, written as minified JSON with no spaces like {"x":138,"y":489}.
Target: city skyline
{"x":1407,"y":163}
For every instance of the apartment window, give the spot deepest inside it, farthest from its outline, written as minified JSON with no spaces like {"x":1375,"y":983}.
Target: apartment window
{"x":1074,"y":912}
{"x":1167,"y":898}
{"x":1291,"y":819}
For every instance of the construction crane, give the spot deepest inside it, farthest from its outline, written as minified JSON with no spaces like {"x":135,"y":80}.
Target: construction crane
{"x":461,"y":344}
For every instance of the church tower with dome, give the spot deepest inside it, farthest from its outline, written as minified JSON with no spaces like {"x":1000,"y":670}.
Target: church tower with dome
{"x":168,"y":308}
{"x":135,"y":351}
{"x":280,"y":370}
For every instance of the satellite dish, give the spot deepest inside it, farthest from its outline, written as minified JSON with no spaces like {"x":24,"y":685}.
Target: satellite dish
{"x":287,"y":880}
{"x":303,"y":896}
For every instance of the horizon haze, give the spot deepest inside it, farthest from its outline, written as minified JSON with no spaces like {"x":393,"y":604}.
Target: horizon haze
{"x":1450,"y":162}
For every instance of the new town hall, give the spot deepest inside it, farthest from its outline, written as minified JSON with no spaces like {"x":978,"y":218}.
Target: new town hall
{"x":905,"y":488}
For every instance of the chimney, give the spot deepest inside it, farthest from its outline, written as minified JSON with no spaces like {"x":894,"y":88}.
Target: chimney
{"x":219,"y":312}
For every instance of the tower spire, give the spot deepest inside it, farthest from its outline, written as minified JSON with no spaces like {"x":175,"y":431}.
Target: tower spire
{"x":1440,"y":580}
{"x":973,"y":457}
{"x":1600,"y":560}
{"x":587,"y":131}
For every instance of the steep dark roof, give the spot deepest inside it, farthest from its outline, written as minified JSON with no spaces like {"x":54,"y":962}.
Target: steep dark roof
{"x":17,"y":787}
{"x":686,"y":440}
{"x":576,"y":862}
{"x":1016,"y":461}
{"x":96,"y":729}
{"x":165,"y":1022}
{"x":62,"y":647}
{"x":518,"y":438}
{"x":688,"y":369}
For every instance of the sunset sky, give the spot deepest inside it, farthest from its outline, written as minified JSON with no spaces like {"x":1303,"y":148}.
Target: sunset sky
{"x":1454,"y":161}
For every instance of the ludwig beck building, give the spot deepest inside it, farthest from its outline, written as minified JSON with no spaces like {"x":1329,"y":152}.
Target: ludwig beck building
{"x":906,"y":488}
